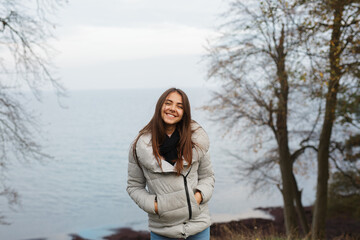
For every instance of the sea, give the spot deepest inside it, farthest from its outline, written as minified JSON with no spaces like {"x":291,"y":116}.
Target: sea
{"x":82,"y":188}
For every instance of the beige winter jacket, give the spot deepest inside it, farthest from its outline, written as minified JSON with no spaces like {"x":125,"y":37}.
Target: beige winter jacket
{"x":179,"y":215}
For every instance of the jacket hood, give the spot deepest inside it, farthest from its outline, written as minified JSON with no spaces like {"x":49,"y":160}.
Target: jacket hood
{"x":146,"y":157}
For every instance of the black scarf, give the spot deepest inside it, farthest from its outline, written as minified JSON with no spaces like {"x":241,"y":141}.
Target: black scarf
{"x":168,"y":149}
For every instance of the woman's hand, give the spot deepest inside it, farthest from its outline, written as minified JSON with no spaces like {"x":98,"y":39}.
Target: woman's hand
{"x":198,"y":197}
{"x":156,"y":207}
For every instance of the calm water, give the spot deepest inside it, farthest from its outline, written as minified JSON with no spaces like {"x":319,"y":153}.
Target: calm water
{"x":83,"y":190}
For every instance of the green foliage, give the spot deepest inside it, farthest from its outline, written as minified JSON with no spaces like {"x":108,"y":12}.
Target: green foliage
{"x":350,"y":145}
{"x":344,"y":197}
{"x":348,"y":105}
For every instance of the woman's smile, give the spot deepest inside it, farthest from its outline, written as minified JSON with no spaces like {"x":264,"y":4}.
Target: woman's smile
{"x":172,"y":109}
{"x":170,"y":115}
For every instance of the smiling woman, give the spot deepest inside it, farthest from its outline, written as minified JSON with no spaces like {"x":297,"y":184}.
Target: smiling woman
{"x":172,"y":111}
{"x":170,"y":175}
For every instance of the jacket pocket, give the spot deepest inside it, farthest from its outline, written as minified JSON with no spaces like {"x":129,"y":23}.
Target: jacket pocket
{"x":196,"y":208}
{"x":173,"y":208}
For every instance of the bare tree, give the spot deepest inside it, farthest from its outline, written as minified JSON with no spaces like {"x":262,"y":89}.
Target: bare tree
{"x":336,"y":69}
{"x":268,"y":85}
{"x":258,"y":60}
{"x":25,"y":63}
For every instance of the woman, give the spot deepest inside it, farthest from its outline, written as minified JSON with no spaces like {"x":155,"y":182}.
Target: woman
{"x":170,"y":174}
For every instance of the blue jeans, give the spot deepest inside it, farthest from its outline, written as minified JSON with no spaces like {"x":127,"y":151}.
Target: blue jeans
{"x":204,"y":235}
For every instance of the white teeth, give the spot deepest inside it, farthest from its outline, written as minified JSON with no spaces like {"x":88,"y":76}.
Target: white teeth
{"x":170,"y":115}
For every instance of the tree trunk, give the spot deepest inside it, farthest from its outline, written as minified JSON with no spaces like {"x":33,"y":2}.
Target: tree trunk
{"x":290,"y":218}
{"x":300,"y":208}
{"x":320,"y":208}
{"x":286,"y":175}
{"x":283,"y":142}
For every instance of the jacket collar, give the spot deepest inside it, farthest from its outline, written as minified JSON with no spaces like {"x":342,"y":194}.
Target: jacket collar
{"x":146,"y":157}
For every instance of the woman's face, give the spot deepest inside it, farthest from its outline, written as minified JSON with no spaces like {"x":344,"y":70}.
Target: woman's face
{"x":172,"y":110}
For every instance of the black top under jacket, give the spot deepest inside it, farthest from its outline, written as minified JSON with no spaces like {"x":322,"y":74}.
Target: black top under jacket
{"x":168,"y":149}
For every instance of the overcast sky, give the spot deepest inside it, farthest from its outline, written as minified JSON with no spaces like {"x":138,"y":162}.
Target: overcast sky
{"x":113,"y":44}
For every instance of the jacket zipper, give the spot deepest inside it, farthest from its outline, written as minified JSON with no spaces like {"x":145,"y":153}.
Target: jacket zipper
{"x":187,"y":197}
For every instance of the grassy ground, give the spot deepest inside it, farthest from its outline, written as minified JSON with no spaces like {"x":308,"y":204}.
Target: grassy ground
{"x":228,"y":232}
{"x":247,"y":234}
{"x":268,"y":236}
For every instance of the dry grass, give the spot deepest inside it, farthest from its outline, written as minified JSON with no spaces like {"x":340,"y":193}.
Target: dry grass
{"x":247,"y":234}
{"x":258,"y":234}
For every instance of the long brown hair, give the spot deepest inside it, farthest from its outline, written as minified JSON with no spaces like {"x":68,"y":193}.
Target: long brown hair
{"x":156,"y":127}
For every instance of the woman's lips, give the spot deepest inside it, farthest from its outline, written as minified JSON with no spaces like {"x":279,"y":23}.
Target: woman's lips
{"x":170,"y":115}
